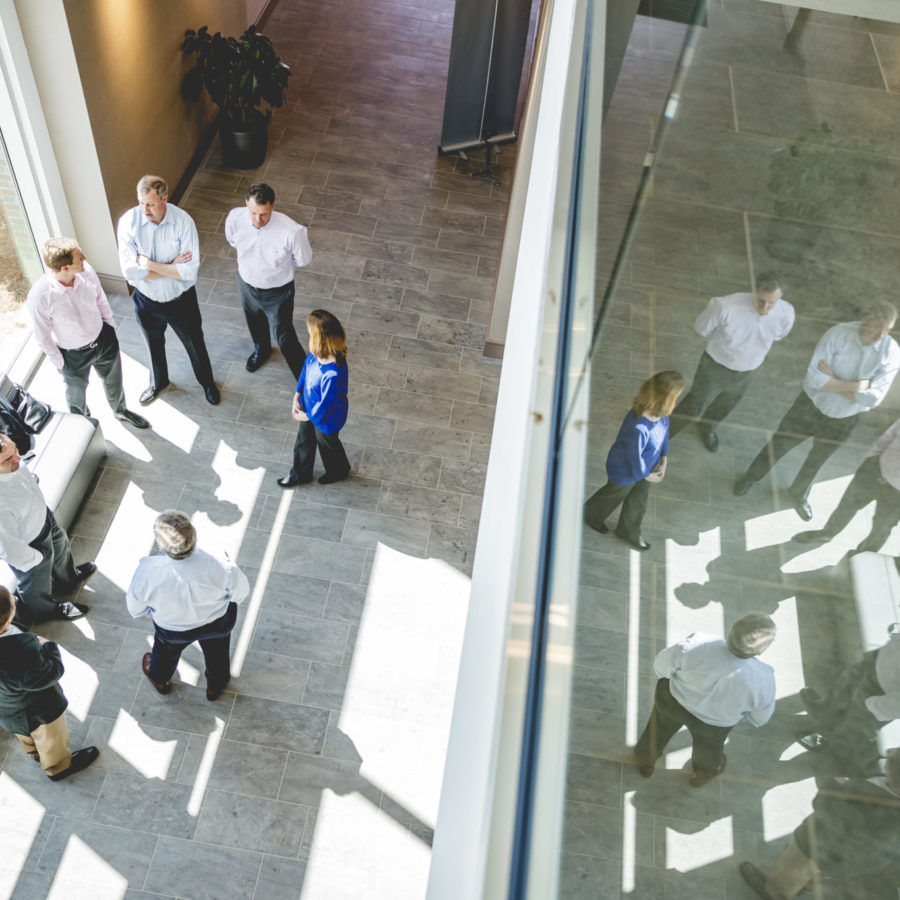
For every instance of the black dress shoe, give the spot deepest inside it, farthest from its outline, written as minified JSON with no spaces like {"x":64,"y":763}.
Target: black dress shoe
{"x":710,"y":439}
{"x":742,"y":485}
{"x":645,"y":769}
{"x":145,"y":666}
{"x":287,"y":482}
{"x":814,"y":741}
{"x":151,"y":393}
{"x":810,"y":699}
{"x":804,"y":510}
{"x":704,"y":776}
{"x":256,"y":359}
{"x":333,"y":477}
{"x":85,"y":570}
{"x":69,"y":610}
{"x":81,"y":759}
{"x":133,"y":418}
{"x":638,"y":543}
{"x":213,"y":695}
{"x":212,"y":394}
{"x":755,"y":878}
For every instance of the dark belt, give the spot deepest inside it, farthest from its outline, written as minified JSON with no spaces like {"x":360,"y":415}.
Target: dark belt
{"x":48,"y":524}
{"x":90,"y":346}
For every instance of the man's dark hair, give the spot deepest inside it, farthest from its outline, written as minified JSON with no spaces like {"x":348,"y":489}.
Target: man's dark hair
{"x":261,"y":193}
{"x":769,"y":282}
{"x":7,"y":606}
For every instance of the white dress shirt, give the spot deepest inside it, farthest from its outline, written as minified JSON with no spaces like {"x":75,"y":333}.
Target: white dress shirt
{"x":886,"y":707}
{"x":180,"y":594}
{"x":175,"y":234}
{"x":719,"y":688}
{"x":851,"y":360}
{"x":739,"y":337}
{"x":67,"y":317}
{"x":23,"y":512}
{"x":267,"y":256}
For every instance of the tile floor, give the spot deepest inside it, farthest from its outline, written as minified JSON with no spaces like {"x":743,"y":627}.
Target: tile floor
{"x":782,"y":155}
{"x":317,"y":774}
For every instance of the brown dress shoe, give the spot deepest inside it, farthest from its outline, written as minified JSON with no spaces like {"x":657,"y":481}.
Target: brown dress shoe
{"x":145,"y":665}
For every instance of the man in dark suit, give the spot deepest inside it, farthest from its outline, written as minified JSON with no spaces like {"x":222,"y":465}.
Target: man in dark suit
{"x":851,"y":832}
{"x":32,"y":704}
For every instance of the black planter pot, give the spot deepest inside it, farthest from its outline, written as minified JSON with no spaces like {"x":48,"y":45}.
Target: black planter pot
{"x":244,"y":149}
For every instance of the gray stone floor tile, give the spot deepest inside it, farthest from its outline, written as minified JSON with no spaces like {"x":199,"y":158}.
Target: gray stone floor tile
{"x":325,"y":686}
{"x":384,"y":319}
{"x":345,"y":602}
{"x":403,"y":405}
{"x":144,"y":749}
{"x":283,"y":726}
{"x":417,"y":352}
{"x":184,"y":708}
{"x":238,"y":768}
{"x":453,"y":545}
{"x":306,"y":777}
{"x":157,"y":806}
{"x":298,"y":637}
{"x":320,"y":559}
{"x":202,"y":871}
{"x":272,"y":676}
{"x":472,"y":417}
{"x":279,"y":879}
{"x":436,"y":304}
{"x":419,"y":503}
{"x":365,"y":529}
{"x":251,"y":823}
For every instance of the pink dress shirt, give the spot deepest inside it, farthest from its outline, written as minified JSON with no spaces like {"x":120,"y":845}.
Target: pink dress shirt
{"x":67,"y":317}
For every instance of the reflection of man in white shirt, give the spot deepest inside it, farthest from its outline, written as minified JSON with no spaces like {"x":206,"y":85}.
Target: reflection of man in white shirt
{"x":851,"y":370}
{"x":269,"y":245}
{"x":741,"y":329}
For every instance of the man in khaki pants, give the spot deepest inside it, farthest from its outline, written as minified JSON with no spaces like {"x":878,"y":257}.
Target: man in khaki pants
{"x":32,"y":704}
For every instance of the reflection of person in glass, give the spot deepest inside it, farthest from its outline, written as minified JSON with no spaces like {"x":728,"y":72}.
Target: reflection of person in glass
{"x":637,"y":459}
{"x":851,"y":370}
{"x":740,"y":330}
{"x":851,"y":833}
{"x":863,"y":698}
{"x":708,"y":684}
{"x":878,"y":479}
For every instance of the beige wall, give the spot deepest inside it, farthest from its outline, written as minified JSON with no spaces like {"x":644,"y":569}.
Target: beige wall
{"x":128,"y":118}
{"x":131,"y":68}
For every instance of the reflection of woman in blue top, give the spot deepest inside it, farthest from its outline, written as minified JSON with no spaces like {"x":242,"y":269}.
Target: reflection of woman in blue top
{"x":320,"y":404}
{"x":637,"y":459}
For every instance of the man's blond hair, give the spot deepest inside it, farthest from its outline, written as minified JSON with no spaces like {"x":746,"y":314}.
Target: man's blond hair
{"x":60,"y":251}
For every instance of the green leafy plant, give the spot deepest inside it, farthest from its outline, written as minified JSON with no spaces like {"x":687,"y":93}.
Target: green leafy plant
{"x":238,"y":74}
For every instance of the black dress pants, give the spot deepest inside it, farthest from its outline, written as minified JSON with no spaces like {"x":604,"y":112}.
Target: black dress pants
{"x":633,"y":498}
{"x":714,"y":393}
{"x":666,"y":718}
{"x":803,"y":420}
{"x":867,"y":485}
{"x":183,"y":314}
{"x":334,"y":457}
{"x":215,"y":642}
{"x":265,"y":307}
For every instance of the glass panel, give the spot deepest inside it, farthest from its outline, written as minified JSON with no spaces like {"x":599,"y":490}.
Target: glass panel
{"x":20,"y":264}
{"x":774,"y":133}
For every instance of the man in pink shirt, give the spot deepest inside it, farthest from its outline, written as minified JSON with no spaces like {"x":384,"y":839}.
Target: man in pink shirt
{"x":74,"y":326}
{"x":878,"y":479}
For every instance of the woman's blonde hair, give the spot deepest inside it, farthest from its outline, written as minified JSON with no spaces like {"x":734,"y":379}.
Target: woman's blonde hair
{"x":657,"y":395}
{"x":326,"y":336}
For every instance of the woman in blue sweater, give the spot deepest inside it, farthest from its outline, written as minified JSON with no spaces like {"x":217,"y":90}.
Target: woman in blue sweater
{"x":320,"y":404}
{"x":637,"y":459}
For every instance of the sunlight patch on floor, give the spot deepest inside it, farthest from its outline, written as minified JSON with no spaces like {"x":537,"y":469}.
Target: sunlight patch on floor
{"x":689,"y":565}
{"x":150,"y":757}
{"x":20,"y":819}
{"x":785,"y":806}
{"x":79,"y":684}
{"x":121,"y":550}
{"x":685,"y":852}
{"x":785,"y":655}
{"x":83,"y":873}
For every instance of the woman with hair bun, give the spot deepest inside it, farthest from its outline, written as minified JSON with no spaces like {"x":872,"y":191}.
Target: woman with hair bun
{"x":637,"y":459}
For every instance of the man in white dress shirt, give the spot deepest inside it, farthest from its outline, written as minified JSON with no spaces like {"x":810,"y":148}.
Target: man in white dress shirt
{"x":851,"y":371}
{"x":708,"y":685}
{"x":33,"y":545}
{"x":269,"y":245}
{"x":159,"y":254}
{"x":190,"y":596}
{"x":74,"y":326}
{"x":741,"y":329}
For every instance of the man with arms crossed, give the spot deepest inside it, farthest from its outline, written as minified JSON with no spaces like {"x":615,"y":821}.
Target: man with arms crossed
{"x":741,"y":329}
{"x":159,"y":253}
{"x":74,"y":326}
{"x":269,"y":247}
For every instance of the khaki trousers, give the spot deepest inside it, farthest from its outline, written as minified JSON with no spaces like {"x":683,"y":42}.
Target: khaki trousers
{"x":792,"y":872}
{"x":49,"y":745}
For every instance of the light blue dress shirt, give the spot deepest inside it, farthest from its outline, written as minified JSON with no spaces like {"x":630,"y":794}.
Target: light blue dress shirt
{"x":175,"y":234}
{"x":181,"y":594}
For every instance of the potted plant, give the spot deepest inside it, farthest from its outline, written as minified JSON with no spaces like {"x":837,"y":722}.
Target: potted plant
{"x":239,"y":75}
